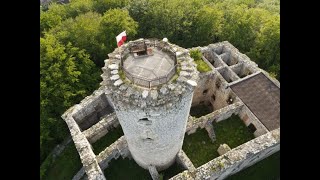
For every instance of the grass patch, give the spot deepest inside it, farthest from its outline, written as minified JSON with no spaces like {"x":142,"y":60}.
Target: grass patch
{"x":200,"y":149}
{"x":174,"y":78}
{"x":125,"y":169}
{"x":266,"y":169}
{"x":129,"y":169}
{"x":66,"y":165}
{"x":201,"y":65}
{"x":107,"y":140}
{"x":200,"y":110}
{"x":122,"y":75}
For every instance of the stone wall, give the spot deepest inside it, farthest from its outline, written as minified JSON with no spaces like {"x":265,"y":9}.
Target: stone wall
{"x":101,"y":128}
{"x":211,"y":90}
{"x":86,"y":117}
{"x":229,"y":62}
{"x":237,"y":159}
{"x":83,"y":146}
{"x":205,"y":89}
{"x":114,"y":151}
{"x":218,"y":115}
{"x":94,"y":107}
{"x":184,"y":160}
{"x":249,"y":118}
{"x":157,"y":139}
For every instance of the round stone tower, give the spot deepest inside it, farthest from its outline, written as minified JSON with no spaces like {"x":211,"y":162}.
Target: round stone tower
{"x":150,"y":84}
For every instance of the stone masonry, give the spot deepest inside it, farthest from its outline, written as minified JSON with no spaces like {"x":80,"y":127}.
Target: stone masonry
{"x":155,"y":116}
{"x":153,"y":120}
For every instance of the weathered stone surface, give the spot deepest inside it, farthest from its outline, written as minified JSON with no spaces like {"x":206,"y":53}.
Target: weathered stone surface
{"x":171,"y":86}
{"x":192,"y":83}
{"x":117,"y":56}
{"x":163,"y":90}
{"x":210,"y":130}
{"x":179,"y":53}
{"x":123,"y":87}
{"x":145,"y":94}
{"x":223,"y":148}
{"x":100,"y":129}
{"x":184,"y":73}
{"x":113,"y":67}
{"x":154,"y":94}
{"x":182,"y":79}
{"x":153,"y":172}
{"x":183,"y":159}
{"x":118,"y":82}
{"x":114,"y":72}
{"x":114,"y":77}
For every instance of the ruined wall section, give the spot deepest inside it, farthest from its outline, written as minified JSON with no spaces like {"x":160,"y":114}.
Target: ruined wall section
{"x":184,"y":160}
{"x":93,"y":109}
{"x":230,"y":67}
{"x":97,"y":131}
{"x":236,"y":159}
{"x":218,"y":115}
{"x":87,"y":156}
{"x":249,"y":118}
{"x":213,"y":86}
{"x":114,"y":151}
{"x":231,"y":64}
{"x":205,"y":89}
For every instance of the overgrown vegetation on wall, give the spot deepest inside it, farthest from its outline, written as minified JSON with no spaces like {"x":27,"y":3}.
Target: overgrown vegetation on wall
{"x":201,"y":65}
{"x":75,"y":39}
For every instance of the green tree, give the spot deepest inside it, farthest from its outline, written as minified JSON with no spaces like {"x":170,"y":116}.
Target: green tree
{"x":266,"y":50}
{"x":56,"y":13}
{"x":66,"y":76}
{"x":113,"y":22}
{"x":101,"y":6}
{"x":270,"y":5}
{"x":172,"y":19}
{"x":242,"y":25}
{"x":52,"y":17}
{"x":83,"y":32}
{"x":207,"y":26}
{"x":94,"y":33}
{"x":78,"y":7}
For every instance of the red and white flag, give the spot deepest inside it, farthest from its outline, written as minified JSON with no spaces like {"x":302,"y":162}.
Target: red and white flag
{"x":121,"y":38}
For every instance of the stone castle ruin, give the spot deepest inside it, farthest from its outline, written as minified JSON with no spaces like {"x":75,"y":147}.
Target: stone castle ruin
{"x":149,"y":87}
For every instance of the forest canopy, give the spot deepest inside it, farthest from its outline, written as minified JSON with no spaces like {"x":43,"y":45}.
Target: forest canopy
{"x":76,"y":37}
